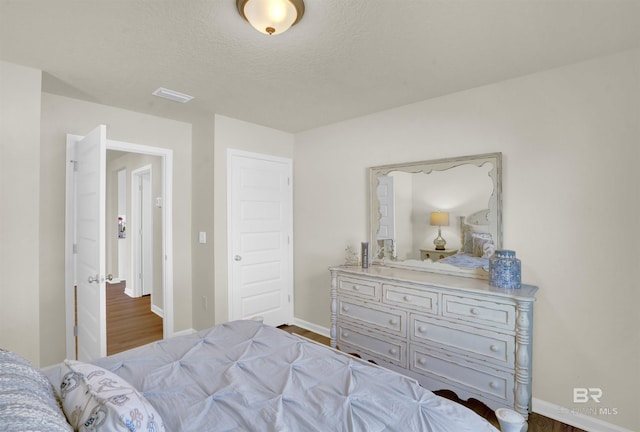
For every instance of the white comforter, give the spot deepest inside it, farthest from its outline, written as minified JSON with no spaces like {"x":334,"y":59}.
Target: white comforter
{"x":245,"y":376}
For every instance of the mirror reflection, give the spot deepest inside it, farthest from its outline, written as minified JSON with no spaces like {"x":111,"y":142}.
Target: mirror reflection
{"x":442,"y":215}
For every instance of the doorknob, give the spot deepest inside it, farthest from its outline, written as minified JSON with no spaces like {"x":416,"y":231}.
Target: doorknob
{"x":92,"y":279}
{"x":109,"y":277}
{"x":237,"y":258}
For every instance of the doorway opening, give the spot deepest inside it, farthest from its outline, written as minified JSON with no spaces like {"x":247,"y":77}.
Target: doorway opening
{"x":164,"y":282}
{"x":134,"y":306}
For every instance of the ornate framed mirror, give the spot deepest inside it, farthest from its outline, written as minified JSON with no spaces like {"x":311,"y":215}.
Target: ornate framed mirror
{"x":442,"y":216}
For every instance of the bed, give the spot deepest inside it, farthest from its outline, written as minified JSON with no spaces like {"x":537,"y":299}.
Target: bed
{"x":246,"y":376}
{"x":477,"y":243}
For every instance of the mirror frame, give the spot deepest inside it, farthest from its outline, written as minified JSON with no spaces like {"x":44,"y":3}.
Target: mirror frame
{"x":494,"y":205}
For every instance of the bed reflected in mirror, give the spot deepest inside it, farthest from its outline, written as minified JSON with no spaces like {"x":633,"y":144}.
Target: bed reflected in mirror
{"x":408,"y":205}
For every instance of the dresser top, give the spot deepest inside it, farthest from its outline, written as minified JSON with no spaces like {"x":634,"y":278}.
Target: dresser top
{"x":526,"y":292}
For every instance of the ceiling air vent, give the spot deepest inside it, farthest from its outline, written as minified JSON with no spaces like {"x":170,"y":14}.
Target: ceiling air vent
{"x":172,"y":95}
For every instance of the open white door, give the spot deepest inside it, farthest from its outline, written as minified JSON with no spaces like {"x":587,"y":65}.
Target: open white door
{"x":260,"y":230}
{"x":90,"y":183}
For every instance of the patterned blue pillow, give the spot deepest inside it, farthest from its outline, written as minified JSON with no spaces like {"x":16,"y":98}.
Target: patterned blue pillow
{"x":470,"y":238}
{"x":27,"y":398}
{"x":95,"y":399}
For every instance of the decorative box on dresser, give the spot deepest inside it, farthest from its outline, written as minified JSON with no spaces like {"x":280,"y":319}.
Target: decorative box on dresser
{"x":447,"y":332}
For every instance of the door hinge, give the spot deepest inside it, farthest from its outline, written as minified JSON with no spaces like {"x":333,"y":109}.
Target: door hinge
{"x":75,"y":248}
{"x":289,"y":298}
{"x":75,"y":165}
{"x":75,"y":330}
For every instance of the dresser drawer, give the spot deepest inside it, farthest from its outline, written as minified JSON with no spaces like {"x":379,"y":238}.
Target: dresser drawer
{"x":390,"y":350}
{"x":378,"y":318}
{"x":359,"y":287}
{"x":478,"y":311}
{"x":475,"y":378}
{"x":419,"y":299}
{"x":481,"y":344}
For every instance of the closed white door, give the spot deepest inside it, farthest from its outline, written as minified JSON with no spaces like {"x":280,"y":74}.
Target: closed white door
{"x":90,"y":190}
{"x":260,"y":238}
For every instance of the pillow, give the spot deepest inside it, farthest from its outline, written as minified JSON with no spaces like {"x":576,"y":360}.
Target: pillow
{"x":95,"y":399}
{"x":483,"y":247}
{"x":488,"y":249}
{"x":27,"y":398}
{"x":469,"y":238}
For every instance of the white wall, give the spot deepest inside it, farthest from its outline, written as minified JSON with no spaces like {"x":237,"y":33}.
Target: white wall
{"x":20,"y":299}
{"x":570,"y":144}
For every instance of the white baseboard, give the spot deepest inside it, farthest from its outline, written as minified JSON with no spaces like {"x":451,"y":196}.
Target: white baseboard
{"x":323,"y":331}
{"x":158,"y":311}
{"x":576,"y":418}
{"x":183,"y":332}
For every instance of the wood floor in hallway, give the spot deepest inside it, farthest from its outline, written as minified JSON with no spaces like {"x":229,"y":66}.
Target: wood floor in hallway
{"x":130,"y":322}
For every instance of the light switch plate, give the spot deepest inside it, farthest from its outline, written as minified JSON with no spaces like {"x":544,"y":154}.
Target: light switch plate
{"x":202,"y":237}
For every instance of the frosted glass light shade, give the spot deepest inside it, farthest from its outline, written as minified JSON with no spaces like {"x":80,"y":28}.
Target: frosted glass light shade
{"x":271,"y":16}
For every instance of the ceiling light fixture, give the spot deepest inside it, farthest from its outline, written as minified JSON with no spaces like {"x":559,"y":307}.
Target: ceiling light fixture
{"x":172,"y":95}
{"x":271,"y":16}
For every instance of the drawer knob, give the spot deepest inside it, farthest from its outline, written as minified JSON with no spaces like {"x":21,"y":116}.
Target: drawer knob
{"x":407,"y":298}
{"x":393,"y":351}
{"x":474,"y":311}
{"x":345,"y":308}
{"x":345,"y":335}
{"x":422,"y":329}
{"x":494,"y":348}
{"x":422,"y":361}
{"x":355,"y":287}
{"x":493,"y":385}
{"x":393,"y":321}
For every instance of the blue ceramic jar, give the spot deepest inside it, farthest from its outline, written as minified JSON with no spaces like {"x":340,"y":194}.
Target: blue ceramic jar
{"x":505,"y":269}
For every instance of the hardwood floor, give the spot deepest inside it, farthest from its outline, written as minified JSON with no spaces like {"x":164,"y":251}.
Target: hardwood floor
{"x":537,"y":422}
{"x":306,"y":333}
{"x":130,"y":322}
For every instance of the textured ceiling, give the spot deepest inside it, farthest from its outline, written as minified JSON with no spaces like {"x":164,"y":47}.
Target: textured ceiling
{"x":346,"y":58}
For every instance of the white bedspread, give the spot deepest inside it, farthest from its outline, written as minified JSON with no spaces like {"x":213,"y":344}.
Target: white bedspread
{"x":245,"y":376}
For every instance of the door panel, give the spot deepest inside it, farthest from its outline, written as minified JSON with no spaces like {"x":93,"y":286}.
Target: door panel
{"x":90,"y":157}
{"x":260,"y":203}
{"x":387,"y":210}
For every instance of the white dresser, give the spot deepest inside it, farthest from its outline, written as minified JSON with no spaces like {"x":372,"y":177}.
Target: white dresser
{"x":447,"y":332}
